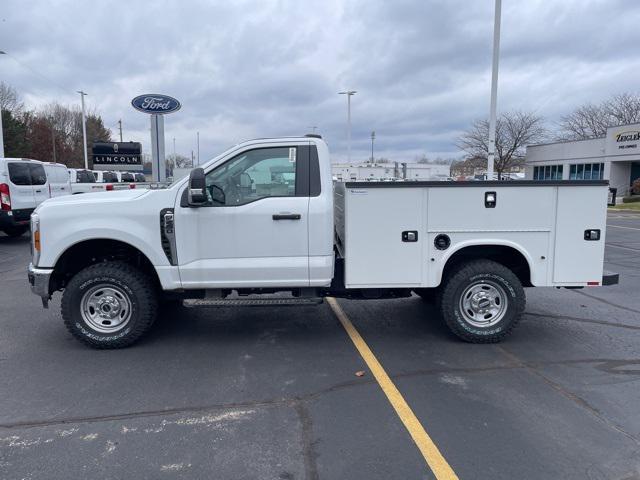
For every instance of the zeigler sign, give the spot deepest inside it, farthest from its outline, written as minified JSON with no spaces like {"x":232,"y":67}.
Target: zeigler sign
{"x":156,"y":104}
{"x":623,"y":140}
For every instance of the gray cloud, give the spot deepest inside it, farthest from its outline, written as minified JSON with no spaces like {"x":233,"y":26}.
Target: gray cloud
{"x":263,"y":68}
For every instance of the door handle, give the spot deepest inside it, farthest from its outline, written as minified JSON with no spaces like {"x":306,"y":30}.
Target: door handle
{"x":38,"y":191}
{"x":286,"y":216}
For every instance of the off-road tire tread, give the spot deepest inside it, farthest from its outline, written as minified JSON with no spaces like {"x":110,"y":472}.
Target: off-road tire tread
{"x":140,"y":284}
{"x":447,"y":301}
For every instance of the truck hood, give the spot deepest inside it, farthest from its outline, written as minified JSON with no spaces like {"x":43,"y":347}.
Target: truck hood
{"x":96,"y":197}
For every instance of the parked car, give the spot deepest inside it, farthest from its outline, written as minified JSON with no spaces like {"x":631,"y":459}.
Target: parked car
{"x":140,"y":177}
{"x":23,"y":186}
{"x":58,"y":176}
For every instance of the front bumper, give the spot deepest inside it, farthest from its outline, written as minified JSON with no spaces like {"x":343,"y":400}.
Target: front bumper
{"x":39,"y":280}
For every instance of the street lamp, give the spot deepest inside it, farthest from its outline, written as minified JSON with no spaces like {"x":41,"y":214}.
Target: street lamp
{"x":348,"y":93}
{"x":491,"y":153}
{"x":84,"y":131}
{"x":373,"y":137}
{"x":1,"y":136}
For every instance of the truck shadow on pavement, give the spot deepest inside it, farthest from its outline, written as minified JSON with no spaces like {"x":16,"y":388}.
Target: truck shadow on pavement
{"x":408,"y":318}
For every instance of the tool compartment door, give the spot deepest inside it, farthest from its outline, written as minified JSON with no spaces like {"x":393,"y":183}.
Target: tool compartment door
{"x":376,"y":255}
{"x":577,"y":260}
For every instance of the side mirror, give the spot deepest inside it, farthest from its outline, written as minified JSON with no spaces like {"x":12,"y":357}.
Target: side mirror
{"x":196,"y":190}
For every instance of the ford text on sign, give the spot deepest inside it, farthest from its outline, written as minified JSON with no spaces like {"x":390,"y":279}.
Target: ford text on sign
{"x":155,"y":103}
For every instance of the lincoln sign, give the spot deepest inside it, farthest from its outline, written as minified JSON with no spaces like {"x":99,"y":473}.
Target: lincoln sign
{"x":117,"y":156}
{"x":155,"y":104}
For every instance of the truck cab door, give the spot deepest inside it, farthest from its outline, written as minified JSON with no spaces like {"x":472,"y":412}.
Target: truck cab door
{"x":253,"y":231}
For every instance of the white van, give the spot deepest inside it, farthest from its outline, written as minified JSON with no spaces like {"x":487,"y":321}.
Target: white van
{"x":23,"y":186}
{"x":58,"y":176}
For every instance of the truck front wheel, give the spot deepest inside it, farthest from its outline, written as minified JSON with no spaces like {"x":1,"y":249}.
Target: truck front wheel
{"x":109,"y":305}
{"x":482,"y":301}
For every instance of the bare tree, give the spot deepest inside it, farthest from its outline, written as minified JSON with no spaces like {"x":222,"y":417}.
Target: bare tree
{"x":10,"y":100}
{"x":591,"y":121}
{"x":624,"y":108}
{"x":514,"y":131}
{"x":180,"y":161}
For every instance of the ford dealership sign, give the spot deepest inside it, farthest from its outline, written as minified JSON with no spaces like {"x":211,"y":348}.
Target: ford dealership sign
{"x":155,"y":104}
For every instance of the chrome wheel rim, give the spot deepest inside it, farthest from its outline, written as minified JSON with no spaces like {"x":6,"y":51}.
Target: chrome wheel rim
{"x":106,"y":308}
{"x":483,"y":304}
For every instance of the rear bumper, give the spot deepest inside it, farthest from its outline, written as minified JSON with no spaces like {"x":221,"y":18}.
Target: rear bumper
{"x":609,"y":278}
{"x":39,"y":280}
{"x":15,"y":218}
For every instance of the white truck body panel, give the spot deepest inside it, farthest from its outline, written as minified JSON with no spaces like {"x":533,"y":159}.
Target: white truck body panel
{"x":544,"y":223}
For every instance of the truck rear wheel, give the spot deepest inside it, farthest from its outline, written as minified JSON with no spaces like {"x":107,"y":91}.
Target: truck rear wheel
{"x":482,"y":301}
{"x":109,"y":305}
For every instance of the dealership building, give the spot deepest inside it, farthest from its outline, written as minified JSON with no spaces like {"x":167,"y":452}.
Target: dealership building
{"x":614,"y":157}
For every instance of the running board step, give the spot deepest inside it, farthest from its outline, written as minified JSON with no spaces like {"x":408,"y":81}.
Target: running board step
{"x":254,"y":302}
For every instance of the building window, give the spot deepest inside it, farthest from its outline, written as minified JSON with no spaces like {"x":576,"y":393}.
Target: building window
{"x":586,"y":171}
{"x":548,"y":172}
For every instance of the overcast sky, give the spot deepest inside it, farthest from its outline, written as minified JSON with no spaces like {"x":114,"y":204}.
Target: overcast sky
{"x":245,"y":69}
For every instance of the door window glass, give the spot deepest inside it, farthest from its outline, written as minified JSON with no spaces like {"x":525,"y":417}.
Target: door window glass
{"x":38,"y":175}
{"x":252,"y":175}
{"x":19,"y":173}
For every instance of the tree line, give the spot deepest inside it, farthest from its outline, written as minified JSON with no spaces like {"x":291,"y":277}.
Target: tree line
{"x":51,"y":133}
{"x":517,"y":129}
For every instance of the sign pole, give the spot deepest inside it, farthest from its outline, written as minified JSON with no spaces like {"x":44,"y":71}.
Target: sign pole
{"x":491,"y":153}
{"x":158,"y":169}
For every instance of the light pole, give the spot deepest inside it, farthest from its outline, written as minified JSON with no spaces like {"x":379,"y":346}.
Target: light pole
{"x":313,"y":128}
{"x":1,"y":136}
{"x":348,"y":93}
{"x":198,"y":145}
{"x":373,"y":137}
{"x":84,"y":131}
{"x":494,"y":92}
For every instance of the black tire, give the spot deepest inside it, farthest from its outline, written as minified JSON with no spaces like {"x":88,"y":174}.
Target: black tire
{"x":16,"y":231}
{"x":137,"y":290}
{"x":490,"y":281}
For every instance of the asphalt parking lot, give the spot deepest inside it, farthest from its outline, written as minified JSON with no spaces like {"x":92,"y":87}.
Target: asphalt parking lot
{"x":272,"y":393}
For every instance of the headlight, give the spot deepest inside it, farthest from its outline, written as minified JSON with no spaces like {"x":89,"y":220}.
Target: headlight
{"x":35,"y":238}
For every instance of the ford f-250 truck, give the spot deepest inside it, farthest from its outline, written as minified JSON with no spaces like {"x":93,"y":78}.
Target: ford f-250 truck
{"x":265,"y":217}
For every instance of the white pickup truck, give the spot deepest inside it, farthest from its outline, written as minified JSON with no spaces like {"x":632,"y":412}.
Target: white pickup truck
{"x":265,"y":217}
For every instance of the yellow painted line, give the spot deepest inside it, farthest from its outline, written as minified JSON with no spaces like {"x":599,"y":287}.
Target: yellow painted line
{"x":437,"y":463}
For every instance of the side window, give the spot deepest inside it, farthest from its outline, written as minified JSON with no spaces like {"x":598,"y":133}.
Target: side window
{"x":38,"y":175}
{"x":252,"y":175}
{"x":19,"y":173}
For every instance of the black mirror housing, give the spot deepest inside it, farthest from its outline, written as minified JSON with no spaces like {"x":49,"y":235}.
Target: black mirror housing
{"x":196,"y":190}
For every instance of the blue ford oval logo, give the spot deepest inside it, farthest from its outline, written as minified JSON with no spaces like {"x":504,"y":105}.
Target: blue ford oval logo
{"x":155,"y":103}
